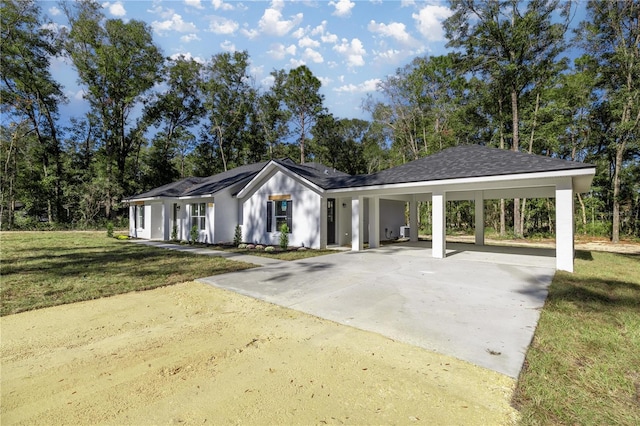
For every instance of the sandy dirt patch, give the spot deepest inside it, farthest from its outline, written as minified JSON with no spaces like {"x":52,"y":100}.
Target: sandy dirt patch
{"x":194,"y":354}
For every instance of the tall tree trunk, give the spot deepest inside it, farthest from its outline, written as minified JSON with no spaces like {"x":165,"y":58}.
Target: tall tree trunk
{"x":584,"y":212}
{"x":502,"y":206}
{"x":523,"y":208}
{"x":615,"y":229}
{"x":302,"y":131}
{"x":517,"y":225}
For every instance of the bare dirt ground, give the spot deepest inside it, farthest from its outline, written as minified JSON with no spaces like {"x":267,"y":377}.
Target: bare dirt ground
{"x":193,"y":354}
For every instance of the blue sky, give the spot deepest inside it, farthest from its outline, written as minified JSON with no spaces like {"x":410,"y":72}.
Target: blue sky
{"x":348,"y":45}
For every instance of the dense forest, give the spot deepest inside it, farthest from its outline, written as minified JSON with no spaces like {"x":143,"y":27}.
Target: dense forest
{"x":508,"y":82}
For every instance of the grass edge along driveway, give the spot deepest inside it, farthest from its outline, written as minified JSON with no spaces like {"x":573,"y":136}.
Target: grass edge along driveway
{"x":583,"y":365}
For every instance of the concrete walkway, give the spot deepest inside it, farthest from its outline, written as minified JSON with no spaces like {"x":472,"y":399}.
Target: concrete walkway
{"x":480,"y":305}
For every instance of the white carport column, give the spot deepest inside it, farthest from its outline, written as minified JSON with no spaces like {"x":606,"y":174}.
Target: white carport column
{"x":357,"y":224}
{"x":564,"y":225}
{"x":438,"y":238}
{"x":479,"y":219}
{"x":374,"y":222}
{"x":413,"y":219}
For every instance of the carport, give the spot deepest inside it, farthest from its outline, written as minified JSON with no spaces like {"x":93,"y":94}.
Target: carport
{"x":473,"y":173}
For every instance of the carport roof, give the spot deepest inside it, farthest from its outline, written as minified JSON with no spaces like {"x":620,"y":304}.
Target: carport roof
{"x":465,"y":161}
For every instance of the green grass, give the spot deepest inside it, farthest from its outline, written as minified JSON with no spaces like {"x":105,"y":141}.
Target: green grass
{"x":583,"y":366}
{"x":41,"y":269}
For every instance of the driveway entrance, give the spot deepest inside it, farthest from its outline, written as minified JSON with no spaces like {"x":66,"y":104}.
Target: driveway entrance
{"x":476,"y":305}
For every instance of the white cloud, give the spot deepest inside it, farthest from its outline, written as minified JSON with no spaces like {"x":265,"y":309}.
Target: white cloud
{"x":219,"y":4}
{"x":325,"y":81}
{"x":299,"y":33}
{"x":295,"y":63}
{"x":54,"y":11}
{"x":367,"y":86}
{"x":53,"y":27}
{"x":220,"y":25}
{"x":407,"y":3}
{"x":429,"y":21}
{"x":174,"y":24}
{"x":308,"y":42}
{"x":272,"y":23}
{"x":187,"y":56}
{"x":79,"y":95}
{"x":325,"y":36}
{"x":279,"y":51}
{"x":268,"y":81}
{"x":313,"y":55}
{"x":228,"y":46}
{"x":250,"y":33}
{"x":353,"y":51}
{"x":343,"y":7}
{"x":162,"y":12}
{"x":395,"y":30}
{"x":189,"y":38}
{"x":116,"y":8}
{"x":194,"y":3}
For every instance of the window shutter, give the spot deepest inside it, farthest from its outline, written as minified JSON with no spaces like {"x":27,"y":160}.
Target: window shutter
{"x":269,"y":216}
{"x":289,"y":216}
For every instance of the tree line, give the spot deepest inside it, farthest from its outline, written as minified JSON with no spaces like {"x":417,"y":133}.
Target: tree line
{"x":508,"y":82}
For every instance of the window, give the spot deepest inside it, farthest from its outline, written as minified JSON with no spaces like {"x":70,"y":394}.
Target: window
{"x":139,"y":217}
{"x":280,"y":212}
{"x":198,"y":216}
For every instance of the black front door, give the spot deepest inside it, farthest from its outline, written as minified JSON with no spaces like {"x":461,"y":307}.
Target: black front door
{"x":331,"y":221}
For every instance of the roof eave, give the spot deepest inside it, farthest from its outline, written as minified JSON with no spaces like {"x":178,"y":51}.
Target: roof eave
{"x":582,"y":178}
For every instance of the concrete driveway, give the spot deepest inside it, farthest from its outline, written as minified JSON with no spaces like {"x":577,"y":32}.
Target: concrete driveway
{"x":479,"y":304}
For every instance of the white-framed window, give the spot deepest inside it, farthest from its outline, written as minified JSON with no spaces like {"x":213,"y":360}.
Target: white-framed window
{"x":279,"y":212}
{"x":139,"y":216}
{"x":198,"y":216}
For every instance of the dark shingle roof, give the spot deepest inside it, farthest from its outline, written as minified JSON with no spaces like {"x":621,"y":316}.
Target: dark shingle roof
{"x":453,"y":163}
{"x":194,"y":186}
{"x":463,"y":161}
{"x":316,"y":173}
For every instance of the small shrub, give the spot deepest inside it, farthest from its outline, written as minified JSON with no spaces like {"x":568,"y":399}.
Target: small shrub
{"x":194,"y":234}
{"x":270,"y":248}
{"x":259,"y":247}
{"x":110,"y":229}
{"x":174,"y":233}
{"x":122,"y":237}
{"x":242,"y":246}
{"x":284,"y":236}
{"x":251,"y":246}
{"x":237,"y":236}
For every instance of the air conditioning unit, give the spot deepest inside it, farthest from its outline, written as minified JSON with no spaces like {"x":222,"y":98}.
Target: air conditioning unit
{"x":405,"y":232}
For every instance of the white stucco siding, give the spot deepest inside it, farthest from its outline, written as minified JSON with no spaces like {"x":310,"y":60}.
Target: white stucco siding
{"x":226,"y":216}
{"x":155,"y":220}
{"x":392,"y":217}
{"x":306,"y":205}
{"x":343,"y":217}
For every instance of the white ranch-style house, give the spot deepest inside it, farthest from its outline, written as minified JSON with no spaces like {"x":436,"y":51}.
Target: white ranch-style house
{"x":324,"y":207}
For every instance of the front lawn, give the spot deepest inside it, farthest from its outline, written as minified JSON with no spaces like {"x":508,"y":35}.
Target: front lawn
{"x":41,"y":269}
{"x":583,"y":366}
